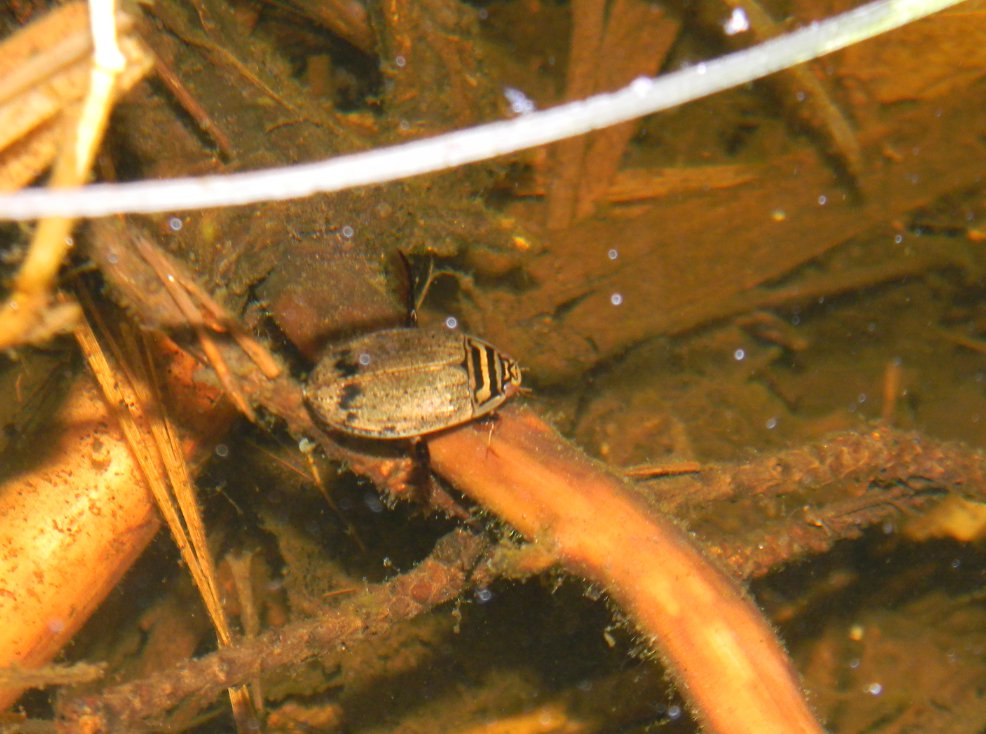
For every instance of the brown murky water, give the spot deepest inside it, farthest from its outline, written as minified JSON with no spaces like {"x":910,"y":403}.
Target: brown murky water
{"x":722,"y":287}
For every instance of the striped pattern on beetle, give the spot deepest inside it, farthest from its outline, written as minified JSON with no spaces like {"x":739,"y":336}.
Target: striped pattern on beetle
{"x":401,"y":383}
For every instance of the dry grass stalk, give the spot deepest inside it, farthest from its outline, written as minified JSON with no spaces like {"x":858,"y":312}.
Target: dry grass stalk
{"x":42,"y":83}
{"x":637,"y":39}
{"x":29,"y":103}
{"x":155,"y":444}
{"x":173,"y":282}
{"x":587,"y":20}
{"x":240,"y":567}
{"x":486,"y":141}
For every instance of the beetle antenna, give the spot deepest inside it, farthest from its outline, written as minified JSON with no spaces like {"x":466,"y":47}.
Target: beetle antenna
{"x":427,"y":285}
{"x":409,"y":301}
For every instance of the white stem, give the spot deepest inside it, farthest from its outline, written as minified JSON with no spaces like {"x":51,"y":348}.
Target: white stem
{"x":642,"y":97}
{"x":102,"y":22}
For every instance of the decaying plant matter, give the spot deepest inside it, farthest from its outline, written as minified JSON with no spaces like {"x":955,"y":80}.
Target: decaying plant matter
{"x":57,"y":93}
{"x":579,"y":261}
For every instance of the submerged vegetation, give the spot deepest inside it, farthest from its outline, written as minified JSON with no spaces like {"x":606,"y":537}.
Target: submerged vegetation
{"x":752,"y":327}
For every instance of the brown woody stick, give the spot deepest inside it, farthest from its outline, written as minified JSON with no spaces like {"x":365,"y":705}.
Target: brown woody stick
{"x":722,"y":653}
{"x":438,"y":579}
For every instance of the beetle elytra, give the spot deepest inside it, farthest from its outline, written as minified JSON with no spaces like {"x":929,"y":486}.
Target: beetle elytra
{"x":402,"y":383}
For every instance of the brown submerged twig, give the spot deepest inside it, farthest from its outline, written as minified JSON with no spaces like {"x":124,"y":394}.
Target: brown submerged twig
{"x":849,"y":463}
{"x":439,"y":578}
{"x":852,"y":481}
{"x":811,"y":532}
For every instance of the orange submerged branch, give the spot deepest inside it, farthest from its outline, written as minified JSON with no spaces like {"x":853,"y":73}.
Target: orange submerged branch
{"x":722,"y":653}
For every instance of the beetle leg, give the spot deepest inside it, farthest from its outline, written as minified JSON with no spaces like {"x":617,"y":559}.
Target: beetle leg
{"x":432,"y":490}
{"x":492,"y":420}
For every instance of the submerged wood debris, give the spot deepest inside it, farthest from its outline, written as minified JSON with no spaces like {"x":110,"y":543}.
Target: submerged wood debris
{"x":759,"y":316}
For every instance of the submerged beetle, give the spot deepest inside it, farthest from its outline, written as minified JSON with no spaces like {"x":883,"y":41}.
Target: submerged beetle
{"x":402,"y":383}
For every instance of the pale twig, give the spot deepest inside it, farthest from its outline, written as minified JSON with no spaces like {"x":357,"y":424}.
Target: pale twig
{"x":44,"y":75}
{"x":28,"y":313}
{"x":642,"y":97}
